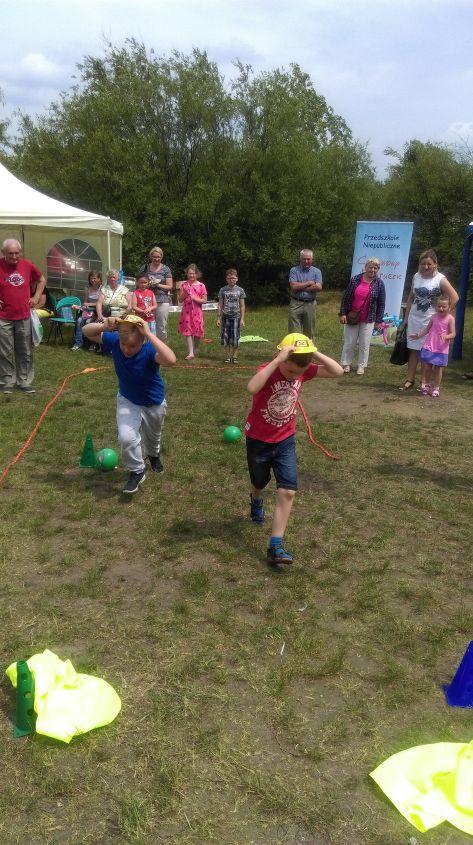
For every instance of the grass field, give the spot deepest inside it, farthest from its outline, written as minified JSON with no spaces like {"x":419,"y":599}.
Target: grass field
{"x":254,"y":705}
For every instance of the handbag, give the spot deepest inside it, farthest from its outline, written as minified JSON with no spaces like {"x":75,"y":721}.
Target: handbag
{"x":400,"y":353}
{"x":107,"y":307}
{"x":353,"y":315}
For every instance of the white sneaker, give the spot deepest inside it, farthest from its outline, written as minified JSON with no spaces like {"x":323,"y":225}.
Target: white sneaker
{"x":360,"y":371}
{"x":75,"y":347}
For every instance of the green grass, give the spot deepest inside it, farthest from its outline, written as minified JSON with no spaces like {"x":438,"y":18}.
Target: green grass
{"x":254,"y":706}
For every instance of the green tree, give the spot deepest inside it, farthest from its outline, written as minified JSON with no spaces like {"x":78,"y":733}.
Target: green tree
{"x":430,"y":186}
{"x":134,"y":138}
{"x":300,"y":180}
{"x":245,"y":175}
{"x":4,"y":124}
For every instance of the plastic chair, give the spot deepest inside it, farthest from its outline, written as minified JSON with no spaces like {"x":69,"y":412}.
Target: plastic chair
{"x":64,"y":316}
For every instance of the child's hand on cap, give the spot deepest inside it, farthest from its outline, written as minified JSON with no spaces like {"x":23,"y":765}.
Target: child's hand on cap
{"x":285,"y":352}
{"x":142,"y":327}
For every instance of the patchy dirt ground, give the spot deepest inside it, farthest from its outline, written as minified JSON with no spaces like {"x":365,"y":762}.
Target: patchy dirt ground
{"x":329,"y":403}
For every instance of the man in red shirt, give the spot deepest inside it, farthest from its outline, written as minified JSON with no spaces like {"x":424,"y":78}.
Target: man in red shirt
{"x":21,"y":287}
{"x":270,"y":428}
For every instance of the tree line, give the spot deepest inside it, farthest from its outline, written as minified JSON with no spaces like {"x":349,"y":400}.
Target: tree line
{"x":240,"y":175}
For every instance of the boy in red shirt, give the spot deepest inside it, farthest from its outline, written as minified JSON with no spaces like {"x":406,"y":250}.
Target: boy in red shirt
{"x":270,"y":429}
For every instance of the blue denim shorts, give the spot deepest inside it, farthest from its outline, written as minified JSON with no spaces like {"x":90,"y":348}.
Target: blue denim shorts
{"x":279,"y":457}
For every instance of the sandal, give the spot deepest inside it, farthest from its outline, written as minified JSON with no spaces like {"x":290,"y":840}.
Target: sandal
{"x":408,"y":385}
{"x":426,"y":389}
{"x":435,"y":393}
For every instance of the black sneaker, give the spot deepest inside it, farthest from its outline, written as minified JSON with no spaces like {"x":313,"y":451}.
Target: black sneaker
{"x":155,"y":463}
{"x":133,"y":481}
{"x":7,"y":390}
{"x":257,"y":510}
{"x":278,"y":555}
{"x":27,"y":389}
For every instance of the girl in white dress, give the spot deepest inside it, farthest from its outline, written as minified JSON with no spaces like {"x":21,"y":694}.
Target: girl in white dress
{"x":427,"y":284}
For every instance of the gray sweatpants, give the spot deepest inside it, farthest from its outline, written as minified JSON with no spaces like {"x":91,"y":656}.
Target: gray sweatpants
{"x":16,"y":353}
{"x":302,"y":317}
{"x":139,"y":424}
{"x":161,"y":318}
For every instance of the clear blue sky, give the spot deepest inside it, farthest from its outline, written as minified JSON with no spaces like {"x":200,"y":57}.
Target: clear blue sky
{"x":393,"y":70}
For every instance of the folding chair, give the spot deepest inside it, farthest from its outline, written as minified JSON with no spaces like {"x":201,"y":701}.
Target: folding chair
{"x":64,"y":317}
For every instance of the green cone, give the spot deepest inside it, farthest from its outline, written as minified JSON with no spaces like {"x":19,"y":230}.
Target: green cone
{"x":25,"y":716}
{"x":88,"y":454}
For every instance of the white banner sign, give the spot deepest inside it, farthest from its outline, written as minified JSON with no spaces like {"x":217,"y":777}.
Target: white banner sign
{"x":390,"y":243}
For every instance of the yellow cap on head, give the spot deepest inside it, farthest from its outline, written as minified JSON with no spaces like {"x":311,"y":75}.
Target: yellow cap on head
{"x":131,"y":318}
{"x":302,"y":344}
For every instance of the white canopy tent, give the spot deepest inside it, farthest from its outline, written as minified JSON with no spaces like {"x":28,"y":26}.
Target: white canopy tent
{"x":43,"y":224}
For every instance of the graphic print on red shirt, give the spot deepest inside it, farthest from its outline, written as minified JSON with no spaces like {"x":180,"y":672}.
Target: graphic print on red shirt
{"x":17,"y":285}
{"x":273,"y":413}
{"x":144,"y":300}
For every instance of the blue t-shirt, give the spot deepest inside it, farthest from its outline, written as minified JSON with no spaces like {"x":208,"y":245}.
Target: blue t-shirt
{"x":139,"y":378}
{"x":298,"y":274}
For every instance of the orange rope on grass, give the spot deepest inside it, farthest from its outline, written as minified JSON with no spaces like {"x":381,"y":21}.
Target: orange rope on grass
{"x":314,"y":442}
{"x":87,"y":370}
{"x":311,"y":436}
{"x":41,"y":417}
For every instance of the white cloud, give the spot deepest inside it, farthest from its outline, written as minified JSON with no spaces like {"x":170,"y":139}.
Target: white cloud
{"x":32,"y":69}
{"x":394,"y":71}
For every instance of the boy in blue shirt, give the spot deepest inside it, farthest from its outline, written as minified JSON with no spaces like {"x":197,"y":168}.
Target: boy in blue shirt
{"x":141,"y":405}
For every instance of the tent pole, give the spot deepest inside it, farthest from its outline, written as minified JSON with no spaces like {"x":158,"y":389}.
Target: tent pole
{"x":108,"y":249}
{"x":457,"y":348}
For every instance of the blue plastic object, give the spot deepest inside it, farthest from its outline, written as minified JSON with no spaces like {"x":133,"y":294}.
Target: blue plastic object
{"x":460,"y":692}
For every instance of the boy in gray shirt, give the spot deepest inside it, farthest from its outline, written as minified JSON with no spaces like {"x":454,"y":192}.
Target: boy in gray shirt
{"x":231,"y":315}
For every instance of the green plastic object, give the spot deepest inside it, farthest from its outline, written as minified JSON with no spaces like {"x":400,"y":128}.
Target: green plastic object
{"x":253,"y":338}
{"x":25,"y":716}
{"x":232,"y":434}
{"x":67,"y":703}
{"x":87,"y":460}
{"x":107,"y":459}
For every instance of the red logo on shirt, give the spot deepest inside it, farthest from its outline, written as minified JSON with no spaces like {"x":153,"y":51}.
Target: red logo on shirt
{"x":281,"y":405}
{"x":16,"y":279}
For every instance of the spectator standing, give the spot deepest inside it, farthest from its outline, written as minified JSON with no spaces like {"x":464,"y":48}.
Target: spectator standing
{"x":21,"y":288}
{"x":160,"y":282}
{"x":231,"y":315}
{"x":305,"y":281}
{"x":361,"y":309}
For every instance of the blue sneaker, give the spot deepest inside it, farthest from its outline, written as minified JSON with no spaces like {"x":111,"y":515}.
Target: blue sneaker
{"x":278,"y":555}
{"x":257,"y":510}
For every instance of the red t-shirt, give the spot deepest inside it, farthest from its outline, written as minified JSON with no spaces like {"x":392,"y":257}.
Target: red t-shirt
{"x":273,"y":414}
{"x":144,"y":300}
{"x":17,"y":285}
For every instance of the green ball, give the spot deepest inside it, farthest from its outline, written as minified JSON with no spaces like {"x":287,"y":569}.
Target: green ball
{"x":232,"y":434}
{"x":107,"y":459}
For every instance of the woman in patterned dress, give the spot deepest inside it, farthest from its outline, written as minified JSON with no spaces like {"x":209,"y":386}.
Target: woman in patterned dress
{"x":427,"y":284}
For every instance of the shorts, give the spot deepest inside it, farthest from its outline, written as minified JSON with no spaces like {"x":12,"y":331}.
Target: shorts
{"x":279,"y":457}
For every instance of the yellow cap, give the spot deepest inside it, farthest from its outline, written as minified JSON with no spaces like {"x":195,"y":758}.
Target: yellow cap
{"x":131,"y":318}
{"x":301,"y":343}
